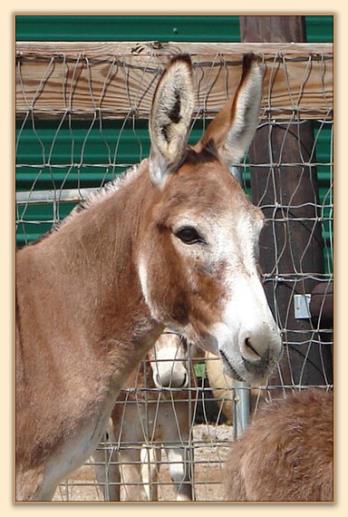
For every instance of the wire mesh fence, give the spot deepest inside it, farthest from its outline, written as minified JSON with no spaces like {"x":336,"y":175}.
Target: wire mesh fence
{"x":81,"y":121}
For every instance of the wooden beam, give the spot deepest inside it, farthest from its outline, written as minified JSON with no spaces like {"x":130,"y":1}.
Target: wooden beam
{"x":118,"y":79}
{"x":293,"y":246}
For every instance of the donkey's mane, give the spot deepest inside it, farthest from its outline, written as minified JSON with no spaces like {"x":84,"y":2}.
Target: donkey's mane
{"x":96,"y":197}
{"x":106,"y":191}
{"x":191,"y":156}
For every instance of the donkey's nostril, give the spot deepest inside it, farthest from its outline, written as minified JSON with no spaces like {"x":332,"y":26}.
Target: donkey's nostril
{"x":248,"y":351}
{"x":249,"y":345}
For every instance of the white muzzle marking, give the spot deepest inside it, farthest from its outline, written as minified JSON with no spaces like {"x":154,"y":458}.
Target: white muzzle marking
{"x":248,"y":339}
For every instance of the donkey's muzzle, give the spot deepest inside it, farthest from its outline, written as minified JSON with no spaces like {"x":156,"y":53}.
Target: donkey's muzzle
{"x":172,"y":380}
{"x":260,"y":348}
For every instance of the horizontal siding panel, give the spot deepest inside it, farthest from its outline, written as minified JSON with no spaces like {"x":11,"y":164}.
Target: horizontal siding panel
{"x":67,"y":179}
{"x":79,"y":155}
{"x":149,"y":28}
{"x":320,"y":29}
{"x":91,"y":156}
{"x":128,"y":28}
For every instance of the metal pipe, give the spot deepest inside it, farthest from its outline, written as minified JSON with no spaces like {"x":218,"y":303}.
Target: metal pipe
{"x":241,"y":390}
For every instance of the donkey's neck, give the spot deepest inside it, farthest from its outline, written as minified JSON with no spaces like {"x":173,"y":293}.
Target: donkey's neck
{"x":89,"y":266}
{"x":79,"y":294}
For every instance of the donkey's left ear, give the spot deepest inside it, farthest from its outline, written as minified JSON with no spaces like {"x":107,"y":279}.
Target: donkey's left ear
{"x":170,"y":118}
{"x":233,"y":128}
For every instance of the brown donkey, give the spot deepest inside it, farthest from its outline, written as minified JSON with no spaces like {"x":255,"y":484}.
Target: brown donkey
{"x":152,"y":412}
{"x":287,"y":452}
{"x":173,"y":243}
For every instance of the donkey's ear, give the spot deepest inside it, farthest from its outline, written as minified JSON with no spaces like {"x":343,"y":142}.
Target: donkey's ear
{"x":170,"y":118}
{"x":233,"y":128}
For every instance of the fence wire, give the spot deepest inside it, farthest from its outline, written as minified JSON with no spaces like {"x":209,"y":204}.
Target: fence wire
{"x":83,"y":121}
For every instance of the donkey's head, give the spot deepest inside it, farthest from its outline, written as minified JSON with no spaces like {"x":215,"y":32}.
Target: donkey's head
{"x":169,"y":361}
{"x":198,"y":259}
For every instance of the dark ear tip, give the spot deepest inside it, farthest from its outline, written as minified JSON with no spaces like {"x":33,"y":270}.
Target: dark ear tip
{"x":248,"y":60}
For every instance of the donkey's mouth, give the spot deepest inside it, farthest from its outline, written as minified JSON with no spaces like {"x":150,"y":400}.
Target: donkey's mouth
{"x":230,"y":370}
{"x":254,"y":375}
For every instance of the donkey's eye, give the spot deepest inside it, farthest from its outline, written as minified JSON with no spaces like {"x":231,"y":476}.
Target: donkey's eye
{"x":189,"y":235}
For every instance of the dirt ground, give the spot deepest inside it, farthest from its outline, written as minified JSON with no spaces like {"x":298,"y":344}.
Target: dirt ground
{"x":210,"y":449}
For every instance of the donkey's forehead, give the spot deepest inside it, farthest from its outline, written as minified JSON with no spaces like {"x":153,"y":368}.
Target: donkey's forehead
{"x":168,"y":344}
{"x":203,"y":185}
{"x":168,"y":340}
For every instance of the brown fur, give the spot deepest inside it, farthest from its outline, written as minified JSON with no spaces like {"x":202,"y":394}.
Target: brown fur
{"x":286,"y":454}
{"x":74,"y":309}
{"x":84,"y":321}
{"x":218,"y":129}
{"x":170,"y":273}
{"x":58,"y":313}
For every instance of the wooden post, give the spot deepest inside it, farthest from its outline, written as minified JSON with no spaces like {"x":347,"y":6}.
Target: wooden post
{"x":291,"y":243}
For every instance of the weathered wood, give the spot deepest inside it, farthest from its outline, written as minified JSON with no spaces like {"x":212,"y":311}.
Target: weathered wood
{"x":119,"y":78}
{"x":292,"y":247}
{"x":108,"y":49}
{"x":277,"y":29}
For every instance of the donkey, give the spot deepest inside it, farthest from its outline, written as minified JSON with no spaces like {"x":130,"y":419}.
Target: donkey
{"x":222,"y":387}
{"x":172,"y":244}
{"x":153,"y":410}
{"x":286,"y":454}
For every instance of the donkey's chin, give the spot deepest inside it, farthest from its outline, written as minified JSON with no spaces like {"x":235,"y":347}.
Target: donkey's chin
{"x":238,"y":371}
{"x":231,"y":372}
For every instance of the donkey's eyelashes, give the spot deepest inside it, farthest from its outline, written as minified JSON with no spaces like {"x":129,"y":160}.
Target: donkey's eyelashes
{"x":189,"y":235}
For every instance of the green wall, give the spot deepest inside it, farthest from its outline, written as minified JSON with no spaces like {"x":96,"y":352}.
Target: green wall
{"x":141,"y":28}
{"x":87,"y":145}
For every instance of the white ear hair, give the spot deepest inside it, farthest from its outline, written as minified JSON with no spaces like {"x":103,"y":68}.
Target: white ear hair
{"x":170,"y":118}
{"x":246,"y":108}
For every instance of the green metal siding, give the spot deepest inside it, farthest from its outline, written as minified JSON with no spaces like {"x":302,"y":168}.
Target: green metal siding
{"x":128,"y":28}
{"x":138,"y":28}
{"x":319,"y":29}
{"x":81,"y":155}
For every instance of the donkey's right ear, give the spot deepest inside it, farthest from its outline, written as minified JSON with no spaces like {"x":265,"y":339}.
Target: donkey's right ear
{"x":233,"y":128}
{"x":170,"y":118}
